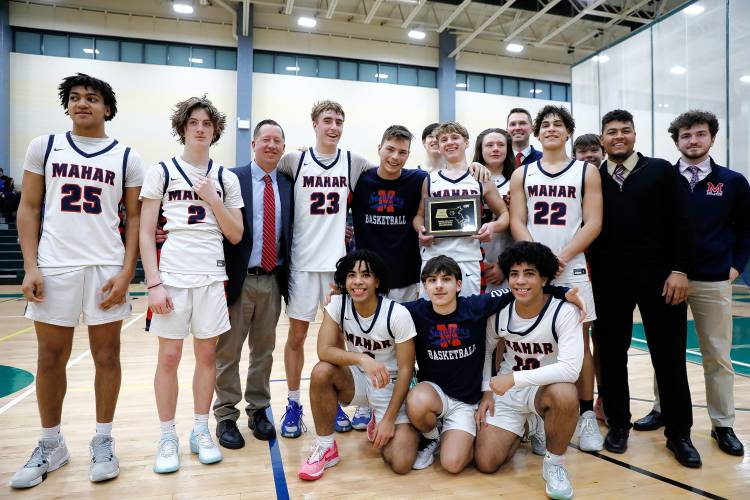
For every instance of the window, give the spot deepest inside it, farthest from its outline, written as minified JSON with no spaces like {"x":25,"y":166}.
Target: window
{"x":178,"y":56}
{"x":308,"y":66}
{"x":407,"y":76}
{"x":107,"y":50}
{"x":510,"y":87}
{"x":387,"y":73}
{"x":475,"y":83}
{"x":542,"y":90}
{"x":54,"y":45}
{"x":559,"y":92}
{"x":131,"y":52}
{"x":285,"y":65}
{"x":155,"y":54}
{"x":262,"y":63}
{"x":347,"y":70}
{"x":493,"y":85}
{"x":328,"y":68}
{"x":526,"y":89}
{"x":202,"y":58}
{"x":427,"y":78}
{"x":367,"y":72}
{"x":28,"y":43}
{"x":461,"y":81}
{"x":81,"y":48}
{"x":227,"y":59}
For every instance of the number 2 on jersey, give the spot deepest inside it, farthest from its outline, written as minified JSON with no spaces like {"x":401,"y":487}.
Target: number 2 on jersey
{"x":546,"y":214}
{"x":318,"y":202}
{"x":71,"y":197}
{"x":197,"y":214}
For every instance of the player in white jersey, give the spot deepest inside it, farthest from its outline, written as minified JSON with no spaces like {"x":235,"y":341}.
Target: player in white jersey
{"x":201,"y":203}
{"x":558,"y":201}
{"x":455,"y":180}
{"x":543,"y":355}
{"x":374,"y":369}
{"x":323,"y":178}
{"x":79,"y":266}
{"x":493,"y":149}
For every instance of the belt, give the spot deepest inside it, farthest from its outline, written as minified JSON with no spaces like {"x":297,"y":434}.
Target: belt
{"x":258,"y":271}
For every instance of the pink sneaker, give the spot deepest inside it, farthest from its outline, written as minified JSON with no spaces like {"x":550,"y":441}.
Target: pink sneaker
{"x":371,"y":427}
{"x":318,"y":461}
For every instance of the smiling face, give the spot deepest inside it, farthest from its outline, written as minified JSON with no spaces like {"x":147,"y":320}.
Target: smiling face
{"x":361,"y":283}
{"x":268,"y":146}
{"x":695,"y":142}
{"x":494,"y":150}
{"x":328,"y":129}
{"x":442,"y":289}
{"x":591,"y":154}
{"x":552,"y":132}
{"x":86,"y":107}
{"x":453,"y":146}
{"x":393,"y":154}
{"x":199,"y":129}
{"x":519,"y":128}
{"x":431,"y":145}
{"x":618,"y":139}
{"x":526,"y":283}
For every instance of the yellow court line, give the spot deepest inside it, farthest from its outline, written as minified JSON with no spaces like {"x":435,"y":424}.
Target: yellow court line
{"x":19,"y":332}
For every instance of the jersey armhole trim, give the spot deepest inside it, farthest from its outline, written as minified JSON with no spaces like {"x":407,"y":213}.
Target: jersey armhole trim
{"x":583,"y":180}
{"x":166,"y":177}
{"x":349,"y":169}
{"x":388,"y":320}
{"x":299,"y":165}
{"x":221,"y":183}
{"x":50,"y":142}
{"x":125,"y":168}
{"x":554,"y":321}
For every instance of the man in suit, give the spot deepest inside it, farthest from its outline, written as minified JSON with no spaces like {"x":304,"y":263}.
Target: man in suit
{"x":258,"y":271}
{"x":519,"y":128}
{"x":642,"y":257}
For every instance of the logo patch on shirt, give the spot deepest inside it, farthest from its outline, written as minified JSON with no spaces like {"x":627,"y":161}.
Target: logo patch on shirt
{"x":579,"y":272}
{"x":220,"y":263}
{"x":716,"y":190}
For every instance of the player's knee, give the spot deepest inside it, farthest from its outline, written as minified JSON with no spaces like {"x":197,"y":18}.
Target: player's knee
{"x":296,"y":340}
{"x":563,"y":397}
{"x":169,"y":360}
{"x":401,"y":465}
{"x":106,"y":358}
{"x":51,"y":359}
{"x":453,"y":463}
{"x":486,"y":461}
{"x":322,"y":373}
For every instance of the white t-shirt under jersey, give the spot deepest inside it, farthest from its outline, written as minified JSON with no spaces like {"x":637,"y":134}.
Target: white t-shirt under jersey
{"x":193,"y":254}
{"x":83,"y":183}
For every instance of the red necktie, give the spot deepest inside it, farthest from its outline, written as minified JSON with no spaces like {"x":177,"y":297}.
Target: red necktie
{"x":519,"y":159}
{"x":268,"y":255}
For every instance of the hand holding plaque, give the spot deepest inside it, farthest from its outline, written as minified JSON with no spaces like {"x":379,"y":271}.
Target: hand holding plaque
{"x":451,"y":216}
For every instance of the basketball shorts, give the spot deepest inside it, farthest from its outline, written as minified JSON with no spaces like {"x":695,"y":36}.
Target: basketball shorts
{"x":456,"y":414}
{"x":404,"y":294}
{"x":75,"y":295}
{"x":471,"y":279}
{"x":367,"y":395}
{"x":586,"y":292}
{"x":513,"y":408}
{"x":200,"y":311}
{"x":307,"y":292}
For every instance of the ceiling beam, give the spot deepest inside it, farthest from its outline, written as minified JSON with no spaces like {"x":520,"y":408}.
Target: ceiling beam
{"x":288,"y":7}
{"x":331,"y":8}
{"x":373,"y":10}
{"x":471,"y":36}
{"x":621,"y":17}
{"x":532,"y":19}
{"x":413,"y":13}
{"x":569,"y":22}
{"x":453,"y":15}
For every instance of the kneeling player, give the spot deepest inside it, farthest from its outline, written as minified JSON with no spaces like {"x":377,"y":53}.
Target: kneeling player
{"x":201,"y":202}
{"x":374,"y":370}
{"x":542,"y":361}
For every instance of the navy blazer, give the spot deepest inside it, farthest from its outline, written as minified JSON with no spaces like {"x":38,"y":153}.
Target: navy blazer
{"x":238,"y":256}
{"x":534,"y":155}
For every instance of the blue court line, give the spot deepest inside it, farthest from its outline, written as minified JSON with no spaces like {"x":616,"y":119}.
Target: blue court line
{"x":279,"y":478}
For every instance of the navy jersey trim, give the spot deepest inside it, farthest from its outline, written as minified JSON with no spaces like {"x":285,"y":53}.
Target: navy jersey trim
{"x":125,"y":167}
{"x":166,"y":177}
{"x":221,"y":183}
{"x":453,"y":181}
{"x":88,"y":155}
{"x":323,"y":165}
{"x":583,"y":180}
{"x":349,"y":170}
{"x":502,"y":183}
{"x":50,"y":142}
{"x":388,"y":319}
{"x":184,"y":175}
{"x":558,"y":174}
{"x":299,"y":166}
{"x":554,"y":320}
{"x":374,"y":318}
{"x":539,"y":318}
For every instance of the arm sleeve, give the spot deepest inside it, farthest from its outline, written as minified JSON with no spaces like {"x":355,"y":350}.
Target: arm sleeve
{"x":402,"y":326}
{"x":153,"y":183}
{"x":491,"y":344}
{"x":499,"y":299}
{"x":359,"y":166}
{"x":35,"y":155}
{"x":334,"y":309}
{"x":569,"y":356}
{"x":288,"y":163}
{"x":233,"y":198}
{"x":134,"y":170}
{"x":741,"y":225}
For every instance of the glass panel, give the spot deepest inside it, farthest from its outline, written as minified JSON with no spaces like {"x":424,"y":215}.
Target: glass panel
{"x":262,"y":63}
{"x":81,"y":48}
{"x":427,"y":78}
{"x":387,"y":73}
{"x":285,"y":65}
{"x":475,"y":83}
{"x":541,"y":90}
{"x":202,"y":58}
{"x":54,"y":45}
{"x":526,"y":88}
{"x":28,"y":43}
{"x":367,"y":72}
{"x":510,"y":87}
{"x":178,"y":55}
{"x":156,"y":54}
{"x":107,"y":50}
{"x":347,"y":70}
{"x":227,"y":59}
{"x":407,"y":75}
{"x":328,"y":68}
{"x":131,"y":52}
{"x":739,"y":86}
{"x":585,"y":94}
{"x":493,"y":85}
{"x":308,"y":66}
{"x":559,"y":92}
{"x":461,"y":81}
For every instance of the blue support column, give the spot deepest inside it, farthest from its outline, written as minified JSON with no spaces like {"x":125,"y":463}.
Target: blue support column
{"x":6,"y":43}
{"x":446,"y":78}
{"x":244,"y":87}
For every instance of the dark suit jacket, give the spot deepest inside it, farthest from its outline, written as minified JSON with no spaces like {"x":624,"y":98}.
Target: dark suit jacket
{"x":238,"y":256}
{"x":534,"y":155}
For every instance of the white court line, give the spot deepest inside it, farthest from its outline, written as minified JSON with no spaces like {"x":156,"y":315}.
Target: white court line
{"x":13,"y":402}
{"x":696,"y":353}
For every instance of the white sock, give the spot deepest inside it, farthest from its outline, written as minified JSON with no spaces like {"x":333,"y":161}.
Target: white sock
{"x":167,"y":426}
{"x":554,"y":459}
{"x":294,"y":396}
{"x":51,"y":432}
{"x":104,"y":429}
{"x":325,"y":442}
{"x":200,"y":423}
{"x":433,"y":434}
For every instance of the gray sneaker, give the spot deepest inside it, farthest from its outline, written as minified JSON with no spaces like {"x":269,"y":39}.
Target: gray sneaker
{"x":537,"y":436}
{"x":104,"y":463}
{"x":49,"y":455}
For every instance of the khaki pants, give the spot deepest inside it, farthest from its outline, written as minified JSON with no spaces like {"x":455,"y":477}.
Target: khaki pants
{"x":253,"y":316}
{"x":711,"y":305}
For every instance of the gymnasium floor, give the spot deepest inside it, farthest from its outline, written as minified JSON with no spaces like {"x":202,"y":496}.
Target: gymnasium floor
{"x":261,"y":470}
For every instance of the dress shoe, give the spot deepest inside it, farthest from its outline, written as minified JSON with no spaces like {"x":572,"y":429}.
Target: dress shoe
{"x":728,"y":441}
{"x":262,"y":427}
{"x":617,"y":439}
{"x":229,"y":435}
{"x":685,"y":452}
{"x":650,"y":422}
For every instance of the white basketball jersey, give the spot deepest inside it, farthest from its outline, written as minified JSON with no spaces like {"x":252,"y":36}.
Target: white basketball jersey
{"x":536,"y":345}
{"x":194,"y":245}
{"x":555,"y":211}
{"x":499,"y":242}
{"x":82,"y":192}
{"x":320,"y":202}
{"x":460,"y":249}
{"x":378,"y":335}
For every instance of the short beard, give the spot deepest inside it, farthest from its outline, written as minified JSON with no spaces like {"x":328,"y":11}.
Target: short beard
{"x":693,"y":156}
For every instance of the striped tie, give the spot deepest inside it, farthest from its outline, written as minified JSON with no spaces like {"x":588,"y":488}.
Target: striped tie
{"x":694,"y":179}
{"x":619,"y":174}
{"x":268,"y":255}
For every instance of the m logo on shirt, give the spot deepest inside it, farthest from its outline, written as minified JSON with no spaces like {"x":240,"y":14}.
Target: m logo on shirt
{"x":716,"y":190}
{"x":446,"y":336}
{"x":385,"y":200}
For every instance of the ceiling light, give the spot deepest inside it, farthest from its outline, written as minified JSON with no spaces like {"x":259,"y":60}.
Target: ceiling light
{"x":292,"y":68}
{"x":601,"y":58}
{"x":514,"y":47}
{"x":182,"y":8}
{"x":417,"y":34}
{"x":196,"y":60}
{"x":694,"y":9}
{"x":381,"y":76}
{"x":678,"y":70}
{"x":535,"y":91}
{"x":307,"y":22}
{"x":745,"y":78}
{"x":91,"y":51}
{"x":460,"y":85}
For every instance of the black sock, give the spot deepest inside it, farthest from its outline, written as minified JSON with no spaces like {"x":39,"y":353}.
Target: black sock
{"x":586,"y":405}
{"x":598,"y":390}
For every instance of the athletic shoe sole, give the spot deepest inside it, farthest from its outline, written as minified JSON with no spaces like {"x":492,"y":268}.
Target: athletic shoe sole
{"x":105,"y":477}
{"x":41,"y":478}
{"x":313,"y":477}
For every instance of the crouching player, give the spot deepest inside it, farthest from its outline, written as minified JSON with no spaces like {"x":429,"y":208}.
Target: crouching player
{"x":374,"y":369}
{"x":542,"y":360}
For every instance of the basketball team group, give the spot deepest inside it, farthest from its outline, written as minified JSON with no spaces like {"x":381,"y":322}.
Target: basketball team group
{"x":461,"y":345}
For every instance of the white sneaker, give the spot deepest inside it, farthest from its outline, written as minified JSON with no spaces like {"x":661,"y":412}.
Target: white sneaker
{"x":589,"y":436}
{"x":104,"y":463}
{"x":559,"y":486}
{"x":426,"y":453}
{"x":167,"y":454}
{"x":537,"y":436}
{"x":49,"y":455}
{"x":202,"y":444}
